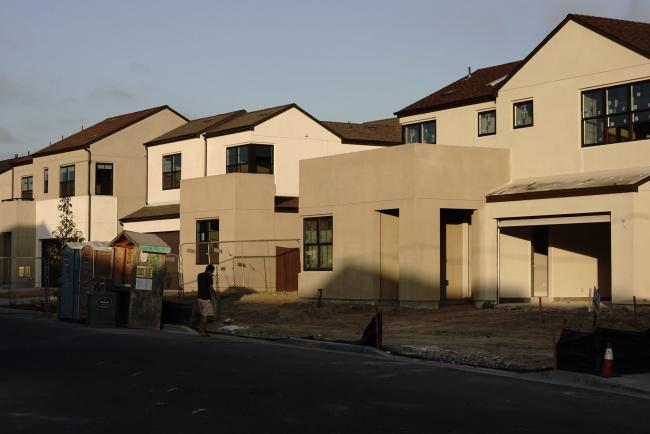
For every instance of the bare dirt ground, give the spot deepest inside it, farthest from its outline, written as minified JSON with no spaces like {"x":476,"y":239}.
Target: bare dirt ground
{"x":513,"y":336}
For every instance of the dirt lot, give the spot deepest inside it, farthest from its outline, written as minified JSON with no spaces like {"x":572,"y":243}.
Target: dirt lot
{"x":509,"y":336}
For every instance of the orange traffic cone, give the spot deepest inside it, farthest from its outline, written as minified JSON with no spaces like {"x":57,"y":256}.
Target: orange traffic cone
{"x":608,"y":362}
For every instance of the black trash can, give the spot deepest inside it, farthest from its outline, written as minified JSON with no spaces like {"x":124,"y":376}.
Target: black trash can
{"x":101,"y":309}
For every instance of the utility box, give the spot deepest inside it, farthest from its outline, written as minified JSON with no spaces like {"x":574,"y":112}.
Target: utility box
{"x":82,"y":264}
{"x":139,"y":273}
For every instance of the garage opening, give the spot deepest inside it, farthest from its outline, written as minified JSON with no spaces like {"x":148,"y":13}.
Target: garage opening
{"x":559,"y":258}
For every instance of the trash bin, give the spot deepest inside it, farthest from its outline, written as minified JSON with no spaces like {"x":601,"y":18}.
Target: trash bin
{"x":101,"y":309}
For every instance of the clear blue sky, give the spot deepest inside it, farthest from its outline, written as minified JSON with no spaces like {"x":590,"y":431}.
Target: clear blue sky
{"x":69,"y":63}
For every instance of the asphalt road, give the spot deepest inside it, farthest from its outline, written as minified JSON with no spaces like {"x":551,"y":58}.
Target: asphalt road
{"x":67,"y":378}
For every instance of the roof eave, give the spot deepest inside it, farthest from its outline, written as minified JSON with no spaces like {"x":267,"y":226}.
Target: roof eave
{"x":438,"y":107}
{"x":573,"y":192}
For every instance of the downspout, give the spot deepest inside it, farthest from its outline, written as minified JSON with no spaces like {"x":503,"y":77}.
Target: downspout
{"x":89,"y":197}
{"x":146,"y":177}
{"x":205,"y":156}
{"x":12,"y":182}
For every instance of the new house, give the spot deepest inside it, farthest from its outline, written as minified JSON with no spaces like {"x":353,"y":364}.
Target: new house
{"x":101,"y":168}
{"x":526,"y":179}
{"x":224,"y":190}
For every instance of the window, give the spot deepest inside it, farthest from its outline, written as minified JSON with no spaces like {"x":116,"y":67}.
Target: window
{"x":66,"y":181}
{"x":487,"y":123}
{"x":523,"y":116}
{"x":616,"y":114}
{"x":104,"y":179}
{"x":207,"y":242}
{"x":249,"y":159}
{"x":46,"y":180}
{"x":424,"y":132}
{"x":318,"y":243}
{"x":171,"y":172}
{"x":27,"y":187}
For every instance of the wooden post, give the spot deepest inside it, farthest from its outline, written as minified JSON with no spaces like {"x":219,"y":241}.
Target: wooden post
{"x":541,"y":312}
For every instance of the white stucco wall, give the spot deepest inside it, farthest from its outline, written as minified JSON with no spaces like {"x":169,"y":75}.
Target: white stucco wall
{"x":192,"y":166}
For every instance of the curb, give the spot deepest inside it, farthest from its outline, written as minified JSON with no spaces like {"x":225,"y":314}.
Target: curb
{"x":333,"y":346}
{"x":619,"y":385}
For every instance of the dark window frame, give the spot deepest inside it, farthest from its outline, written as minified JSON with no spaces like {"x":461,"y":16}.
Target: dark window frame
{"x":98,"y":190}
{"x":46,"y":180}
{"x":174,"y":175}
{"x":252,"y":162}
{"x":478,"y":118}
{"x":203,"y":254}
{"x":67,"y":188}
{"x":514,"y":114}
{"x":420,"y":125}
{"x":318,"y":243}
{"x":27,"y":193}
{"x":629,"y":114}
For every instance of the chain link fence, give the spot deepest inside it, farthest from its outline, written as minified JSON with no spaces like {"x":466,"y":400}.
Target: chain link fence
{"x":28,"y":282}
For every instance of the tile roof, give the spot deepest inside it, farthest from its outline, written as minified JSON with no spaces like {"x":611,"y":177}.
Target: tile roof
{"x":286,"y":204}
{"x":195,"y":128}
{"x":7,"y":164}
{"x":381,"y":132}
{"x":481,"y":85}
{"x":158,"y":212}
{"x":247,"y":120}
{"x":581,"y":184}
{"x":105,"y":128}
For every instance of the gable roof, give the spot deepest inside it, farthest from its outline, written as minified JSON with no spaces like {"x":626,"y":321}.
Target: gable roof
{"x":633,"y":35}
{"x":479,"y":86}
{"x":6,"y":165}
{"x":84,"y":138}
{"x":385,"y":132}
{"x":194,"y":128}
{"x":248,"y":120}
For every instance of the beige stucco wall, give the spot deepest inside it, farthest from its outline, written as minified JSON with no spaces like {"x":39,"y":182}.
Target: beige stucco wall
{"x":418,"y":180}
{"x":5,"y":185}
{"x":294,"y":137}
{"x":17,"y":217}
{"x":459,"y":125}
{"x":574,"y":60}
{"x":244,"y":205}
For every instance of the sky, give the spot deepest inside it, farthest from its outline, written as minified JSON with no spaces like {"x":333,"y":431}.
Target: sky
{"x":66,"y":64}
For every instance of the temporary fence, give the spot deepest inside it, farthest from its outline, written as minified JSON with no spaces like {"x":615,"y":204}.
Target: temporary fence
{"x":253,"y":265}
{"x":29,"y":282}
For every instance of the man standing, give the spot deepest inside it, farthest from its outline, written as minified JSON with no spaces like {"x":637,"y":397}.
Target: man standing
{"x":204,"y":295}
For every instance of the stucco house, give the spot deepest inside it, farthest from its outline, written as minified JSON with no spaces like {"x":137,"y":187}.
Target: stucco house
{"x":224,"y":189}
{"x":527,"y":179}
{"x":101,"y":168}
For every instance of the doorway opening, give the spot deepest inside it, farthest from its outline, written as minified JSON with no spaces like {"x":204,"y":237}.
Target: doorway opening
{"x":455,"y":227}
{"x":389,"y":256}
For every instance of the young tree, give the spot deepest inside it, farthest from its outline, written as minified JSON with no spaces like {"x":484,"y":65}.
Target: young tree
{"x":66,"y":231}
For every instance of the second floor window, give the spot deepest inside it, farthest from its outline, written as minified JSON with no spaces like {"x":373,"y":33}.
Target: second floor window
{"x":616,"y":114}
{"x":171,"y":172}
{"x":46,"y":180}
{"x":27,"y":187}
{"x":104,"y":179}
{"x":249,"y":159}
{"x":487,"y":123}
{"x":523,"y":114}
{"x":66,"y":181}
{"x":424,"y":132}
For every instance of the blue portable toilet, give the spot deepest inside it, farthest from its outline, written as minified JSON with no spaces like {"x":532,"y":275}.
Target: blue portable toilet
{"x":80,"y":263}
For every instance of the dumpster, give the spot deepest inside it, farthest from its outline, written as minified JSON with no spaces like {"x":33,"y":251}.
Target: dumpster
{"x":82,"y":263}
{"x":139,"y":273}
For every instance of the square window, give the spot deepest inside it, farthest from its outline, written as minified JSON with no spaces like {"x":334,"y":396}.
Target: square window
{"x":523,"y":114}
{"x":487,"y":123}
